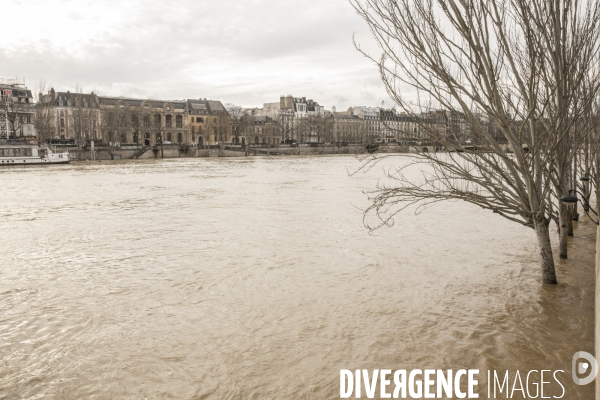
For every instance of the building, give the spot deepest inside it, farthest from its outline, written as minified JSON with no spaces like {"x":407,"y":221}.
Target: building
{"x":261,"y":130}
{"x":398,"y":127}
{"x":446,"y":124}
{"x":142,"y":121}
{"x":209,"y":122}
{"x":372,"y":120}
{"x":17,"y":110}
{"x":347,"y":129}
{"x":73,"y":116}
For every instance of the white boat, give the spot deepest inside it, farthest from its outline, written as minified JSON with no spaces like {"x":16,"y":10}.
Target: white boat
{"x":22,"y":154}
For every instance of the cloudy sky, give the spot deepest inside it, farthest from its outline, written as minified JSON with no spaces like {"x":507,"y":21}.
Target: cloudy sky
{"x":239,"y":51}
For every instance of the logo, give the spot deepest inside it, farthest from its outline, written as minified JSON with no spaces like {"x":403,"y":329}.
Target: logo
{"x":581,"y":367}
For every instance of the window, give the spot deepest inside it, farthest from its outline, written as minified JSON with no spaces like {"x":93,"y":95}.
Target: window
{"x":62,"y":122}
{"x":122,"y":106}
{"x":179,"y":121}
{"x":62,"y":113}
{"x":179,"y":137}
{"x":27,"y":152}
{"x":199,"y":119}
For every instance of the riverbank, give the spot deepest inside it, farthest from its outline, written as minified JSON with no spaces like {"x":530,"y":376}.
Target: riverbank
{"x":126,"y":152}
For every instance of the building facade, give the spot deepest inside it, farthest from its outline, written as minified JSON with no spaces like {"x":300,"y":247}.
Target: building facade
{"x":139,"y":121}
{"x":348,"y":129}
{"x":73,"y":116}
{"x":17,"y":110}
{"x":209,"y":122}
{"x":372,"y":121}
{"x":261,"y":130}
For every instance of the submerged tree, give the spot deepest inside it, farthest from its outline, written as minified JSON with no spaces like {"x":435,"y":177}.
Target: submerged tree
{"x":513,"y":65}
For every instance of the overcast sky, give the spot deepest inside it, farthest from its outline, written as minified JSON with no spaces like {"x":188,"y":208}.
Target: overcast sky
{"x":246,"y":52}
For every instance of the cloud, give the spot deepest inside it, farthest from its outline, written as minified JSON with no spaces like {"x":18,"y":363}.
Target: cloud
{"x":245,"y":52}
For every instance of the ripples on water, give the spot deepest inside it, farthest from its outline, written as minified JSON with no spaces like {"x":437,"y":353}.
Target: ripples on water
{"x":254,"y":278}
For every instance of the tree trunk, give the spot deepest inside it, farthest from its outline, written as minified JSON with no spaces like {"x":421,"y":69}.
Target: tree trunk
{"x":545,"y":252}
{"x":563,"y":222}
{"x":574,"y":211}
{"x":570,"y":219}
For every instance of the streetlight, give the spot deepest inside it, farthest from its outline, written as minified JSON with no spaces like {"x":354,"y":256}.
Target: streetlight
{"x":572,"y":199}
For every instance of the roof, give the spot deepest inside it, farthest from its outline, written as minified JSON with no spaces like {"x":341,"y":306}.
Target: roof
{"x":204,"y":106}
{"x":88,"y":97}
{"x":16,"y":91}
{"x":177,"y":104}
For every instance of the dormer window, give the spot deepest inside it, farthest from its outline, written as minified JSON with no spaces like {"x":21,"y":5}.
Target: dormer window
{"x":168,"y":108}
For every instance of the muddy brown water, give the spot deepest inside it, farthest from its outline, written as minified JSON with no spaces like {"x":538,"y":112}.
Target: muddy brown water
{"x":255,"y":279}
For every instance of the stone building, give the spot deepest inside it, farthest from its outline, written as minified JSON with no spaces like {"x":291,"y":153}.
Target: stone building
{"x":372,"y":120}
{"x":74,"y":116}
{"x":348,"y":129}
{"x":297,"y":118}
{"x":147,"y":122}
{"x":446,"y":124}
{"x":17,"y":110}
{"x":209,"y":122}
{"x":262,"y":130}
{"x":398,"y":127}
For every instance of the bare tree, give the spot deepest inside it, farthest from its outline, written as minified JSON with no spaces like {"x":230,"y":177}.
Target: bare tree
{"x":116,"y":122}
{"x":78,"y":112}
{"x":44,"y":119}
{"x":13,"y":114}
{"x":474,"y":58}
{"x":285,"y":119}
{"x":236,"y":114}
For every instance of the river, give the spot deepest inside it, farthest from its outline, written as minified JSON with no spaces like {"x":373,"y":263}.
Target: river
{"x":255,"y":278}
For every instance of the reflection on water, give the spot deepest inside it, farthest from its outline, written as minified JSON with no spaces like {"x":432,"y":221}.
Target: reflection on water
{"x":254,"y":278}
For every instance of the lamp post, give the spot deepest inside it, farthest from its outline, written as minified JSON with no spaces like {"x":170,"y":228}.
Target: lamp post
{"x":573,"y":199}
{"x":586,"y":188}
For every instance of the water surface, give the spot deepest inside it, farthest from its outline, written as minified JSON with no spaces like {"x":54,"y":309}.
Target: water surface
{"x":255,"y":279}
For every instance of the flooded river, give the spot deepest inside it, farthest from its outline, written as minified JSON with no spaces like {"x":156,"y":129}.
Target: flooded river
{"x":255,"y":279}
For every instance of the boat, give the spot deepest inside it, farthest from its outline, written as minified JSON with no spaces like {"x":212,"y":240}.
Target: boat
{"x":22,"y":154}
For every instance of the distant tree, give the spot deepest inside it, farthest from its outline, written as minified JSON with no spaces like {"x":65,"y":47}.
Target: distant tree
{"x":13,"y":114}
{"x":236,"y":114}
{"x":44,"y":118}
{"x":116,"y":122}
